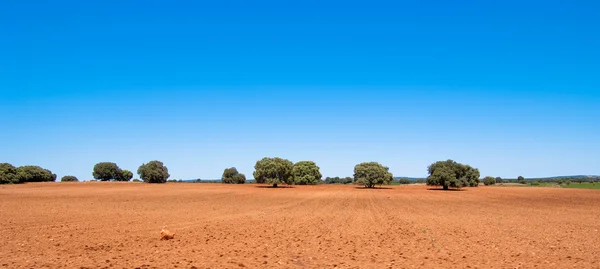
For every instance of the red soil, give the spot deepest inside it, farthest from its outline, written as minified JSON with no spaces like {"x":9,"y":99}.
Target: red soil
{"x":117,"y":225}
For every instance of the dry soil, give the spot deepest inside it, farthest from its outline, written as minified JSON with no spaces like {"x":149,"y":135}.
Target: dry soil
{"x":117,"y":225}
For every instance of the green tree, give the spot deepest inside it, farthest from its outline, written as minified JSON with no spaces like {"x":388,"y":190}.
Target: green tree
{"x":106,"y":171}
{"x":452,"y":174}
{"x":273,"y":171}
{"x":153,"y":172}
{"x":125,"y":175}
{"x":69,"y":179}
{"x":489,"y":181}
{"x":370,"y":174}
{"x":232,"y":176}
{"x":8,"y":174}
{"x":498,"y":180}
{"x":521,"y":180}
{"x":404,"y":181}
{"x":306,"y":173}
{"x":34,"y":173}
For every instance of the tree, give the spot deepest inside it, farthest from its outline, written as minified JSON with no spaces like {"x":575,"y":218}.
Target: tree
{"x":125,"y":175}
{"x":106,"y":171}
{"x":69,"y":179}
{"x":232,"y":176}
{"x":153,"y":172}
{"x":452,"y":174}
{"x":306,"y":173}
{"x":370,"y":174}
{"x":34,"y":173}
{"x":489,"y":181}
{"x":273,"y":171}
{"x":498,"y":180}
{"x":521,"y":180}
{"x":404,"y":181}
{"x":8,"y":174}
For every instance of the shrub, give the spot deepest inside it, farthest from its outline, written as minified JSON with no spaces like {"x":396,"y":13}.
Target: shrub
{"x":137,"y":180}
{"x":489,"y":181}
{"x":69,"y":179}
{"x":232,"y":176}
{"x":521,"y":180}
{"x":535,"y":183}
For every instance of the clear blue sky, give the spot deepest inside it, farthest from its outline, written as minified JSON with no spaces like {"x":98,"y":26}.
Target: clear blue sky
{"x":512,"y":88}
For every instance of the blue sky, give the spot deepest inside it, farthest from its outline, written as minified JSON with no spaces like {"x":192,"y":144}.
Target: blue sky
{"x":512,"y":88}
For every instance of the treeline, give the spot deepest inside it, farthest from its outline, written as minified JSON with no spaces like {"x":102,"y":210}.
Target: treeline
{"x":10,"y":174}
{"x":277,"y":171}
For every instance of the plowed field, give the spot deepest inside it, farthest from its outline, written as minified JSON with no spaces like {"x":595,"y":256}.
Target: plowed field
{"x":117,"y":225}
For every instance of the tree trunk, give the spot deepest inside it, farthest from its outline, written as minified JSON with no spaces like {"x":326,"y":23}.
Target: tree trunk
{"x":275,"y":185}
{"x":445,"y":187}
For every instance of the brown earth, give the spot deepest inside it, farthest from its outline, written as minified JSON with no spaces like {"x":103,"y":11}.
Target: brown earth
{"x":117,"y":225}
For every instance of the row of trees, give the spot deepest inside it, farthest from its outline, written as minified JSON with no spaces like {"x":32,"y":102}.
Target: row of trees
{"x":274,"y":171}
{"x":151,"y":172}
{"x":10,"y":174}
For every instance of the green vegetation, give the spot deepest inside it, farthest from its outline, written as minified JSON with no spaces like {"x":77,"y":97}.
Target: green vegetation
{"x":370,"y":174}
{"x":232,"y":176}
{"x":273,"y":171}
{"x":521,"y":180}
{"x":404,"y":181}
{"x":153,"y":172}
{"x":8,"y":174}
{"x":28,"y":173}
{"x":489,"y":181}
{"x":107,"y":171}
{"x":69,"y":179}
{"x":306,"y":173}
{"x":125,"y":175}
{"x":586,"y":185}
{"x":33,"y":173}
{"x":339,"y":180}
{"x":452,"y":174}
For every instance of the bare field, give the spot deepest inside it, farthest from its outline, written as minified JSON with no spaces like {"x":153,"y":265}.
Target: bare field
{"x":117,"y":225}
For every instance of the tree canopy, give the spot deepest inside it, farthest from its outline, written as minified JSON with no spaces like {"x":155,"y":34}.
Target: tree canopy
{"x":69,"y":179}
{"x":273,"y":171}
{"x":370,"y":174}
{"x":339,"y":180}
{"x":153,"y":172}
{"x":306,"y":173}
{"x":452,"y":174}
{"x":106,"y":171}
{"x":8,"y":174}
{"x":232,"y":176}
{"x":489,"y":181}
{"x":125,"y":175}
{"x":34,"y":173}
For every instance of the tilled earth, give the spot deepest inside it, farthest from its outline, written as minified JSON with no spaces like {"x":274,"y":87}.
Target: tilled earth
{"x":117,"y":225}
